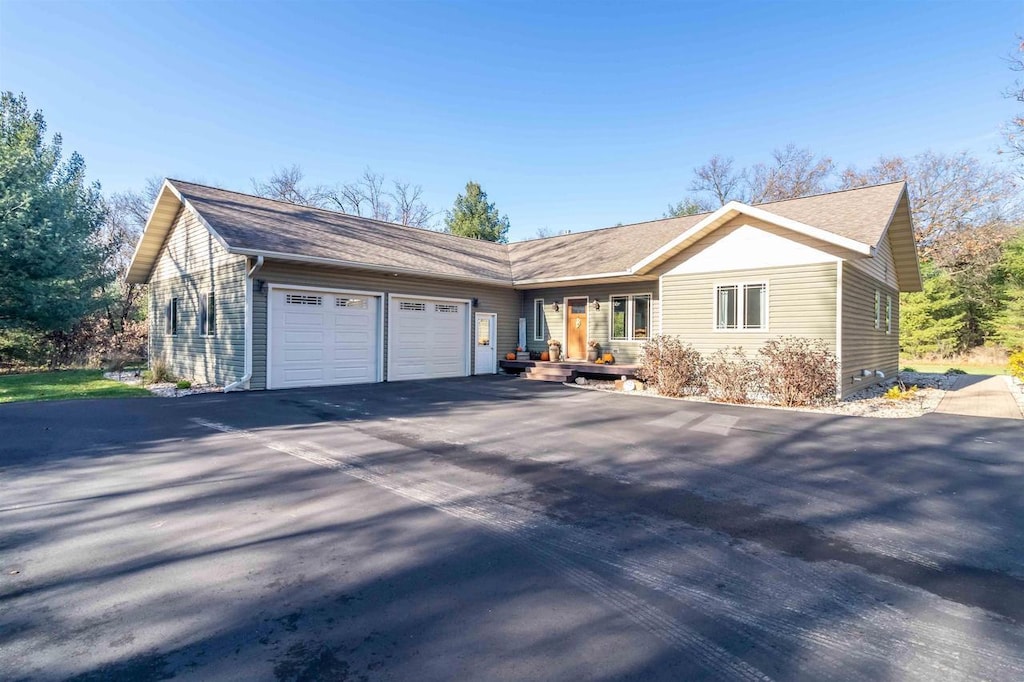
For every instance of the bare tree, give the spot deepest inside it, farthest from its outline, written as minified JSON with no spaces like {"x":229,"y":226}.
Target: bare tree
{"x":960,"y":205}
{"x":409,"y":206}
{"x":365,"y":197}
{"x":1014,"y":130}
{"x":792,"y":173}
{"x":718,"y":178}
{"x":286,"y":184}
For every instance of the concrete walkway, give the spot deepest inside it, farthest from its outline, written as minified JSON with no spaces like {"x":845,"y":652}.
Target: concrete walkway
{"x":980,"y":396}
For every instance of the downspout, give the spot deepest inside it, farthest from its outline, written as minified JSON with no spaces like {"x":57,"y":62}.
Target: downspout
{"x":244,"y":381}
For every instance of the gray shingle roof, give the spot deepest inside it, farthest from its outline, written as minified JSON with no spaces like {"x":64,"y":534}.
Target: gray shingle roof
{"x":253,"y":224}
{"x":249,"y":223}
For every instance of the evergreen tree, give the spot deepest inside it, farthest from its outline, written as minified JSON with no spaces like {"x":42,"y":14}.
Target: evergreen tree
{"x":1009,"y":281}
{"x":50,"y":222}
{"x":932,"y":320}
{"x":473,"y":216}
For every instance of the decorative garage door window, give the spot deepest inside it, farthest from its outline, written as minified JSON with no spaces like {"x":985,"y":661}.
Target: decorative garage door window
{"x":360,"y":303}
{"x":303,"y":299}
{"x":445,"y":308}
{"x":407,"y":305}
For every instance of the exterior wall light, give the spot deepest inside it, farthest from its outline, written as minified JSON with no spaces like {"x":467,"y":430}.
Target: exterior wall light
{"x":554,"y":306}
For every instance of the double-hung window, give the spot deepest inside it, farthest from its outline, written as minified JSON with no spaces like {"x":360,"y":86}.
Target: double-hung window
{"x":741,"y":306}
{"x":888,"y":313}
{"x":538,"y":319}
{"x":631,"y":317}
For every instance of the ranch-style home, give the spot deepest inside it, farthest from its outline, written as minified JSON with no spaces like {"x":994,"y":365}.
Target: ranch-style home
{"x":252,"y":293}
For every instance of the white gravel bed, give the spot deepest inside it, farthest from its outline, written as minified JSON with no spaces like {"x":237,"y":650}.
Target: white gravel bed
{"x":164,"y":390}
{"x":867,"y":403}
{"x":1016,"y":389}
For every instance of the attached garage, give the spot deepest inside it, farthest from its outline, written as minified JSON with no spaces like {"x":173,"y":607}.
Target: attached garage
{"x":428,"y":338}
{"x":318,"y":337}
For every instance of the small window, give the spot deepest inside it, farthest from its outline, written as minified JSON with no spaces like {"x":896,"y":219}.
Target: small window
{"x":303,"y":299}
{"x":445,"y":308}
{"x":413,"y":307}
{"x":538,"y":319}
{"x":631,"y":317}
{"x":360,"y":303}
{"x":741,"y":306}
{"x":208,"y":315}
{"x":888,"y":314}
{"x":172,"y":316}
{"x":878,"y":309}
{"x":620,"y":307}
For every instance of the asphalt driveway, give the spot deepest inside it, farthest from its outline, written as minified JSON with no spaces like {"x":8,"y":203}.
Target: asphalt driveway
{"x":491,"y":528}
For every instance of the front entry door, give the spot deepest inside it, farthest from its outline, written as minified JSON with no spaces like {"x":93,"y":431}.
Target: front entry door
{"x":576,"y":328}
{"x":486,"y":359}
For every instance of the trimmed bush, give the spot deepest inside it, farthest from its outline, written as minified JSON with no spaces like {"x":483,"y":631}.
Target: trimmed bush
{"x":731,"y":376}
{"x":671,"y":367}
{"x":183,"y":384}
{"x":797,"y":371}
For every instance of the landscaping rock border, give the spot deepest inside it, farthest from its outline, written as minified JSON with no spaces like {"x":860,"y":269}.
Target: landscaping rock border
{"x":163,"y":390}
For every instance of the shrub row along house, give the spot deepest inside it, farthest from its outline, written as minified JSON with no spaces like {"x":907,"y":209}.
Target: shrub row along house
{"x":253,"y":293}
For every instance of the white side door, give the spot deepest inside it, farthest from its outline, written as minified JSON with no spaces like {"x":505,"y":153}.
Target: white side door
{"x":486,"y":360}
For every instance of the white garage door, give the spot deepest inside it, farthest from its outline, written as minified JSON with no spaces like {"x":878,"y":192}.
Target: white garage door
{"x":322,"y":339}
{"x":427,"y":339}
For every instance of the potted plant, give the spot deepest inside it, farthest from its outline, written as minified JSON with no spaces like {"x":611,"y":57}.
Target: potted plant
{"x":555,"y":349}
{"x":593,"y":351}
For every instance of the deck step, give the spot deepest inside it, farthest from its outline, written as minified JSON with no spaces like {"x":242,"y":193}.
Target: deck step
{"x":556,"y":374}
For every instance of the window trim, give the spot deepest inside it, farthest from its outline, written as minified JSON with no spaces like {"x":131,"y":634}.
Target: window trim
{"x":878,"y":309}
{"x":630,"y":319}
{"x":173,"y":316}
{"x":741,"y":306}
{"x":208,"y":314}
{"x":888,"y":313}
{"x":538,"y":329}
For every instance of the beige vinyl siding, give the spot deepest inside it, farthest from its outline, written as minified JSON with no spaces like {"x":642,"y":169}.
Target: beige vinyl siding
{"x":192,"y":263}
{"x":863,"y":346}
{"x":505,"y":302}
{"x":598,"y":321}
{"x":881,"y":266}
{"x":801,"y":302}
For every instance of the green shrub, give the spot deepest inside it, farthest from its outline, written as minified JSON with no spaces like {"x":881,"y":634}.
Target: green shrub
{"x":183,"y":384}
{"x":1016,"y":364}
{"x":955,"y":370}
{"x":908,"y":369}
{"x":670,"y":366}
{"x":797,"y":371}
{"x":731,"y":376}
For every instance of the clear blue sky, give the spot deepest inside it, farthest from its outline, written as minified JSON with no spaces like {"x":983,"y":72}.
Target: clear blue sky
{"x":571,"y":116}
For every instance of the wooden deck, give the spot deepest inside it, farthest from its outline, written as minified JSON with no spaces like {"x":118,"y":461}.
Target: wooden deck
{"x":565,"y":370}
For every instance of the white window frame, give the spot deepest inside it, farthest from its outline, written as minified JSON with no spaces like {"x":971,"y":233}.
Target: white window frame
{"x":630,"y":309}
{"x":173,"y":316}
{"x":888,"y":313}
{"x":741,"y":306}
{"x":878,"y":309}
{"x":208,"y":322}
{"x":538,"y":329}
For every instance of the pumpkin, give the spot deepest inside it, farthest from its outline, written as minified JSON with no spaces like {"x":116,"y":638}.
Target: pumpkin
{"x":599,"y":361}
{"x":608,"y":358}
{"x":545,"y":356}
{"x":510,"y":356}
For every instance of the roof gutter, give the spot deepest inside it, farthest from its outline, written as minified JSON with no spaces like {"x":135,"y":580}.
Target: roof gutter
{"x":247,"y":377}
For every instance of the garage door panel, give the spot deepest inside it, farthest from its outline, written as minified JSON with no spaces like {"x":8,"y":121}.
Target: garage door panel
{"x":427,"y":338}
{"x":321,"y":339}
